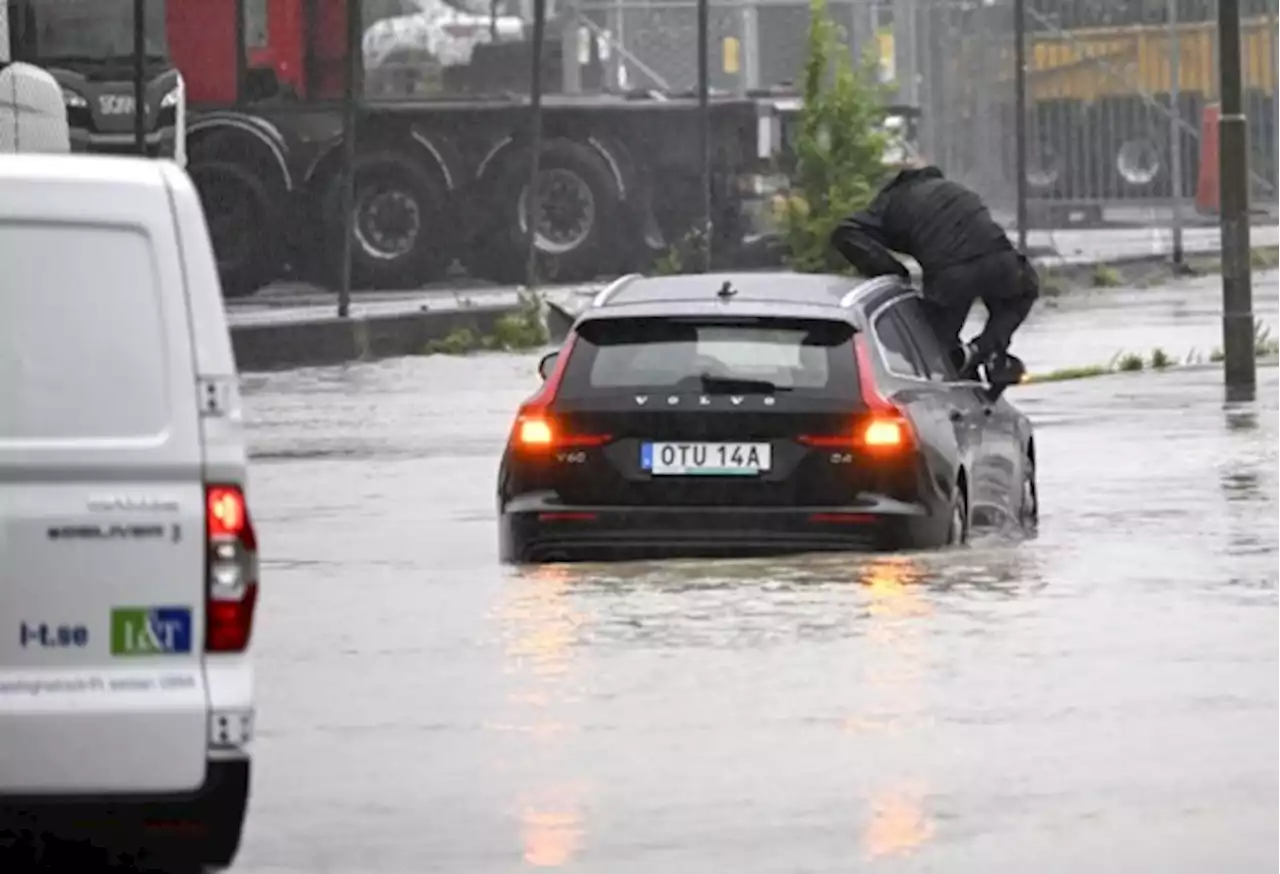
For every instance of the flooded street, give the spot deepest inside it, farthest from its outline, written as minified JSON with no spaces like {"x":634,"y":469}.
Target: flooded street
{"x":1102,"y":698}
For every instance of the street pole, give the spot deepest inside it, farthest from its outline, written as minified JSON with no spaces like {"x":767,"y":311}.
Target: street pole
{"x":140,"y":77}
{"x":704,"y":127}
{"x":1175,"y":132}
{"x":350,"y":97}
{"x":1239,"y":367}
{"x":533,"y":204}
{"x":1020,"y":115}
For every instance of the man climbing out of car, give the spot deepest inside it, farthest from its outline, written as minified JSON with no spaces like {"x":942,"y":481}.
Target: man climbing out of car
{"x":962,"y":252}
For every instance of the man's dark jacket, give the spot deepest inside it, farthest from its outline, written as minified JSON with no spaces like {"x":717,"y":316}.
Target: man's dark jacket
{"x":919,"y":213}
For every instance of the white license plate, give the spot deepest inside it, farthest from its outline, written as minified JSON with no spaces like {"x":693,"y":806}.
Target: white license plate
{"x":705,"y":459}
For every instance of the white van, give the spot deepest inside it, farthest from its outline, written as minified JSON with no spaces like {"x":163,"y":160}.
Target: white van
{"x":128,"y":561}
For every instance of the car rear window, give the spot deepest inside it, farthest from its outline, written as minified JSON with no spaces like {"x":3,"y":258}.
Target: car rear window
{"x":809,"y":355}
{"x":83,"y":352}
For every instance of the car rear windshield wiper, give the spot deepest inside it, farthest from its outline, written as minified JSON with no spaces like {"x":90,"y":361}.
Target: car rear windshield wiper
{"x":722,"y":385}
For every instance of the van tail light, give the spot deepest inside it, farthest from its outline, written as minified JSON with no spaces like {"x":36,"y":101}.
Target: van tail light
{"x":231,"y":570}
{"x":883,"y":429}
{"x":536,"y":430}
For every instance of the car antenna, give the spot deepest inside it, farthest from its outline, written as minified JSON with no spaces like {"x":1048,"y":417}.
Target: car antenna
{"x":726,"y":291}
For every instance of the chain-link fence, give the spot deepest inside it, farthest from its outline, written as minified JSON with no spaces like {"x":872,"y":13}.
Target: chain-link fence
{"x":1116,"y":99}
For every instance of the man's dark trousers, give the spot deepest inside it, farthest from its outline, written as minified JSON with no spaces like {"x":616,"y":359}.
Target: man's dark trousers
{"x":1007,"y":285}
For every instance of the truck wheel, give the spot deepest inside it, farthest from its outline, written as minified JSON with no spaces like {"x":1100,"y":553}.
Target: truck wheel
{"x":579,"y":203}
{"x":1139,"y":161}
{"x":1136,"y":149}
{"x":237,"y":210}
{"x":398,"y":233}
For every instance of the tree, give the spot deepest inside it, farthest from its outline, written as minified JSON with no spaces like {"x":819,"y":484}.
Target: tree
{"x":839,"y":147}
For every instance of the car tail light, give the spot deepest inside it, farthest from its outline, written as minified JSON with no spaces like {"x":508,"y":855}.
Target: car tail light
{"x":231,"y":569}
{"x":882,"y":429}
{"x":536,"y":430}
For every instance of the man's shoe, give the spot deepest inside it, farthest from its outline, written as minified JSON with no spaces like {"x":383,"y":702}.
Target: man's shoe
{"x":966,"y":362}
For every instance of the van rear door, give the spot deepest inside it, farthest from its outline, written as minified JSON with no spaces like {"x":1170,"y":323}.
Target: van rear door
{"x":102,"y":523}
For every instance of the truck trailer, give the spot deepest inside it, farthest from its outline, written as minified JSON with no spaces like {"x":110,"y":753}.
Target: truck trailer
{"x":442,"y":147}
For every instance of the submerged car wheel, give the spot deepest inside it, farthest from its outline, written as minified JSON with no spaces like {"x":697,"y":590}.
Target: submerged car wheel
{"x":958,"y":527}
{"x":1029,"y":505}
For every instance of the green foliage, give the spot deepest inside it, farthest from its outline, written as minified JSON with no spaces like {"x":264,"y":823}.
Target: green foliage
{"x":1160,"y":359}
{"x":1105,"y":276}
{"x":840,"y":144}
{"x":1131,"y":363}
{"x":459,"y":341}
{"x":687,"y":253}
{"x":516,"y":331}
{"x":522,"y":329}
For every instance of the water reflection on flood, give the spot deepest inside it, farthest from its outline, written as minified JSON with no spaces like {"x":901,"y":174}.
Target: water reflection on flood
{"x":551,"y":830}
{"x":897,"y":822}
{"x":539,"y":624}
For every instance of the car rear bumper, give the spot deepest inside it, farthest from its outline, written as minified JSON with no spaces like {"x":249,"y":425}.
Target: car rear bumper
{"x":536,"y":529}
{"x":201,"y":827}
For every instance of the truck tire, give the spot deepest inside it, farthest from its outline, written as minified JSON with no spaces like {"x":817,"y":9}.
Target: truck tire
{"x":399,"y":237}
{"x":1136,"y":146}
{"x":237,"y":209}
{"x":580,"y":202}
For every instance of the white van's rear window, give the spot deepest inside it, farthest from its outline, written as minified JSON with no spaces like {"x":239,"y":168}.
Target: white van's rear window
{"x":82,"y":347}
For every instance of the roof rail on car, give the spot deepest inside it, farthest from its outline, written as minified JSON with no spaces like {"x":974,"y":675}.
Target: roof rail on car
{"x":865,"y":287}
{"x":605,"y":293}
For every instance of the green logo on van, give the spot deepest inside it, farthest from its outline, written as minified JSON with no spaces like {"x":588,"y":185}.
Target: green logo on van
{"x":150,"y":631}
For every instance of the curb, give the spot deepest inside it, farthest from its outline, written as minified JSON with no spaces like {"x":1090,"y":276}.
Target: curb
{"x":331,"y":340}
{"x":328,"y":340}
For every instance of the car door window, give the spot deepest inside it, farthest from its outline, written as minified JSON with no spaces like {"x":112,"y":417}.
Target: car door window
{"x":898,"y":351}
{"x":916,"y":323}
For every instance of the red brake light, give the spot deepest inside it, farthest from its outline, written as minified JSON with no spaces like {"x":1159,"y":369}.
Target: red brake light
{"x":534,"y":432}
{"x":884,"y":428}
{"x":231,"y":570}
{"x":226,"y":510}
{"x":537,"y":432}
{"x":887,"y":428}
{"x":884,"y":432}
{"x":536,"y":429}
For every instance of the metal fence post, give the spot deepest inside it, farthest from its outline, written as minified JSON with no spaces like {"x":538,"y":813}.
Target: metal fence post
{"x":350,"y":96}
{"x":1239,"y":367}
{"x":1020,"y":118}
{"x":139,"y":76}
{"x":1175,"y":131}
{"x":1273,"y":67}
{"x":533,"y":205}
{"x":904,"y":51}
{"x":704,"y":126}
{"x":750,"y":45}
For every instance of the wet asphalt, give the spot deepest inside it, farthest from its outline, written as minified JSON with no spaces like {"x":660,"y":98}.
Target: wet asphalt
{"x":1101,"y":698}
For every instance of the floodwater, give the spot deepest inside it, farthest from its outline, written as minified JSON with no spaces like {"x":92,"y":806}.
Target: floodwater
{"x":1101,"y":698}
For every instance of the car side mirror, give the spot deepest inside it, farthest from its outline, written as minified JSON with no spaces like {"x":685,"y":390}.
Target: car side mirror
{"x":547,"y":364}
{"x":1002,"y":372}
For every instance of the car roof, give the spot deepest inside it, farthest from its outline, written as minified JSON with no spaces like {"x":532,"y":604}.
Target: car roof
{"x":777,"y":286}
{"x":696,"y":308}
{"x":775,"y":293}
